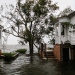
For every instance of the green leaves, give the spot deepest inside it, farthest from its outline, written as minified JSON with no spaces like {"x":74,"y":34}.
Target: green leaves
{"x":46,"y":21}
{"x":37,"y":10}
{"x":65,"y":12}
{"x":49,"y":29}
{"x":52,"y":19}
{"x":42,"y":2}
{"x":27,"y":20}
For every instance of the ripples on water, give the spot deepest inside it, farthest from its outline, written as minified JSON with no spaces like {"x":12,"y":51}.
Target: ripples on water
{"x":27,"y":65}
{"x":23,"y":66}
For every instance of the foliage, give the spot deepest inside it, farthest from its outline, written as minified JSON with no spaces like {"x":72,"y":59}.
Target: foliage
{"x":21,"y":50}
{"x":51,"y":23}
{"x":68,"y":24}
{"x":65,"y":12}
{"x":52,"y":19}
{"x":52,"y":41}
{"x":26,"y":20}
{"x":8,"y":54}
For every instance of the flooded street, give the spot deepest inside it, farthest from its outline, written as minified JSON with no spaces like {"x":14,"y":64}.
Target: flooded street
{"x":27,"y":65}
{"x":24,"y":66}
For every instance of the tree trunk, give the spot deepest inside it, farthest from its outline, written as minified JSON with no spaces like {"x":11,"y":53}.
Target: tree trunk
{"x":31,"y":41}
{"x":31,"y":46}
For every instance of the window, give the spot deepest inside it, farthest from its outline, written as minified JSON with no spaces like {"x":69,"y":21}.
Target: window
{"x":62,"y":30}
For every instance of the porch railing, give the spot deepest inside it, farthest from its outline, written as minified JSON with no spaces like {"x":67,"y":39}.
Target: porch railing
{"x":44,"y":50}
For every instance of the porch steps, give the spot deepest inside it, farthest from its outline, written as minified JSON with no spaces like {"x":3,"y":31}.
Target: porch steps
{"x":49,"y":54}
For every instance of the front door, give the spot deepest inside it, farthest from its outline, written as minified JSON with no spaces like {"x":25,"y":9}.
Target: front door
{"x":65,"y":54}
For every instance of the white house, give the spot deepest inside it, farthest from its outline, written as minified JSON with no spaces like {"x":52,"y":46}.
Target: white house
{"x":65,"y":37}
{"x":65,"y":32}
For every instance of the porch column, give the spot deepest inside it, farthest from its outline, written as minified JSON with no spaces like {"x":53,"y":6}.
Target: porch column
{"x":55,"y":34}
{"x":59,"y":33}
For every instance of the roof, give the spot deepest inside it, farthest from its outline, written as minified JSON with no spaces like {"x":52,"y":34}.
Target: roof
{"x":67,"y":16}
{"x":71,"y":14}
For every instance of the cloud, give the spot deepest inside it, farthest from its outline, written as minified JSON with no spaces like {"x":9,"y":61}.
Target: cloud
{"x":65,"y":3}
{"x":12,"y":40}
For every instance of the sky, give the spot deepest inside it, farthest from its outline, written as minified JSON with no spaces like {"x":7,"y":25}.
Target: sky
{"x":61,"y":3}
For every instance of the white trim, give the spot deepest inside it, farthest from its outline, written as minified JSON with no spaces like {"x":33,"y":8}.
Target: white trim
{"x":59,"y":33}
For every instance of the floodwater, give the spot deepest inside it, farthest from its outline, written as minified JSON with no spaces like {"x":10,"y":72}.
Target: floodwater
{"x":27,"y":65}
{"x":34,"y":65}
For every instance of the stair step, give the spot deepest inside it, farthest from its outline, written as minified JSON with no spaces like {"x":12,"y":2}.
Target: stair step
{"x":50,"y":54}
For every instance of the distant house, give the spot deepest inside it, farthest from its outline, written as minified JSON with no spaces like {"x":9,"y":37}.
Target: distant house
{"x":65,"y":38}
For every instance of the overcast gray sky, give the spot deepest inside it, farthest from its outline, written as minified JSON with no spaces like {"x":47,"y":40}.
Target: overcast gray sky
{"x":61,"y":3}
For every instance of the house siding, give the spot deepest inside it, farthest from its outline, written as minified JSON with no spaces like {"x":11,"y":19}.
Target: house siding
{"x":72,"y":20}
{"x":64,"y":19}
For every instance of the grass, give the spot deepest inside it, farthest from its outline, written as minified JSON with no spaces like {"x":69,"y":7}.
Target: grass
{"x":8,"y":54}
{"x":21,"y":50}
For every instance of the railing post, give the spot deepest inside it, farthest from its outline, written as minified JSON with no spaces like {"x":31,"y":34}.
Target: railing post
{"x":0,"y":52}
{"x":45,"y":46}
{"x":41,"y":49}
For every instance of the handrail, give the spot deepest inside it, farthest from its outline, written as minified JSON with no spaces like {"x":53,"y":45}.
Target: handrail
{"x":44,"y":50}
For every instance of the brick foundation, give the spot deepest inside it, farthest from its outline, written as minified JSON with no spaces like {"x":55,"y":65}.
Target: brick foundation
{"x":58,"y":51}
{"x":41,"y":54}
{"x":0,"y":52}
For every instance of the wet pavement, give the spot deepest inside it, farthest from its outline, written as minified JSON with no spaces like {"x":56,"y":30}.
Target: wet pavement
{"x":27,"y":65}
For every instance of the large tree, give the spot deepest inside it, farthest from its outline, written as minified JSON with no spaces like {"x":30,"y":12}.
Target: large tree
{"x":27,"y":20}
{"x":50,"y":22}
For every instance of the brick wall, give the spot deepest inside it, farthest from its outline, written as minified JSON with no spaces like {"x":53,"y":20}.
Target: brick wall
{"x":57,"y":52}
{"x":72,"y":54}
{"x":41,"y":53}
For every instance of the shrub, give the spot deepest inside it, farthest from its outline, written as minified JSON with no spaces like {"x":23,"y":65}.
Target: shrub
{"x":8,"y":56}
{"x":21,"y":50}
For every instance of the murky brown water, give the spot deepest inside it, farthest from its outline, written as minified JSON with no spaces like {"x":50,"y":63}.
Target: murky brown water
{"x":24,"y":66}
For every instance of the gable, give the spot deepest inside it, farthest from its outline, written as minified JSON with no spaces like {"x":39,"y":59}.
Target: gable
{"x":72,"y":20}
{"x":64,"y":19}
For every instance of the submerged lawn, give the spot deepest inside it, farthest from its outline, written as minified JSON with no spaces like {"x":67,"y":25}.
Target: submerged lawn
{"x":8,"y":54}
{"x":21,"y":50}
